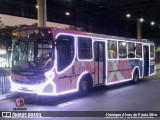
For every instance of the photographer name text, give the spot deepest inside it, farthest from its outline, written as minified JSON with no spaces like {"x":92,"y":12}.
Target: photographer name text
{"x":131,"y":115}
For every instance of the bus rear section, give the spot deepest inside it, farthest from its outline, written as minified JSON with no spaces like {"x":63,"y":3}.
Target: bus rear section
{"x":130,"y":60}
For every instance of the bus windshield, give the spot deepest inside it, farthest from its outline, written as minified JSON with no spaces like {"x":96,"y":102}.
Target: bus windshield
{"x":33,"y":54}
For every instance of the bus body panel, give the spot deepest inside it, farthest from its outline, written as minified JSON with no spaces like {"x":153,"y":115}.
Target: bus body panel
{"x":152,"y":66}
{"x":99,"y":77}
{"x":69,"y":79}
{"x":119,"y":70}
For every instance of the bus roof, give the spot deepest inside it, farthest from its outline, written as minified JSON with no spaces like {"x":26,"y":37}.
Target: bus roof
{"x":100,"y":36}
{"x":94,"y":35}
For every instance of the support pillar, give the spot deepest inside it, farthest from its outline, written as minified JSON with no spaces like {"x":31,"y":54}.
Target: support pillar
{"x":42,"y":13}
{"x":139,"y":30}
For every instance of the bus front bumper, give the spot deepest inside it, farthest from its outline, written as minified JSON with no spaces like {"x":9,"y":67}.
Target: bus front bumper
{"x":47,"y":88}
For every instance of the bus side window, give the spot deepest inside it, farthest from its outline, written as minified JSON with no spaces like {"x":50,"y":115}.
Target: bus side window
{"x":95,"y":52}
{"x":112,"y":49}
{"x":138,"y":50}
{"x":84,"y":48}
{"x":65,"y":51}
{"x":101,"y":56}
{"x":122,"y":49}
{"x":131,"y":50}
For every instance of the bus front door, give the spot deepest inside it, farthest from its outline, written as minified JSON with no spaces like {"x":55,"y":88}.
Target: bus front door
{"x":145,"y":60}
{"x":99,"y":56}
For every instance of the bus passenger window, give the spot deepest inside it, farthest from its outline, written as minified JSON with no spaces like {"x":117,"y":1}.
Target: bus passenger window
{"x":138,"y":50}
{"x":122,"y":49}
{"x":84,"y":48}
{"x":101,"y":56}
{"x":95,"y":52}
{"x":112,"y":49}
{"x":131,"y":50}
{"x":65,"y":51}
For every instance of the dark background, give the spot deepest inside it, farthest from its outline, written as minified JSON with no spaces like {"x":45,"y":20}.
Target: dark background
{"x":97,"y":16}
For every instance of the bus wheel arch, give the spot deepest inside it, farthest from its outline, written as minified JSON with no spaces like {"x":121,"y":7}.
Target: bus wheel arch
{"x":85,"y":83}
{"x":135,"y":76}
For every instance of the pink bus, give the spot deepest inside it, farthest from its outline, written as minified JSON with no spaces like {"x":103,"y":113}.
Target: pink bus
{"x":53,"y":61}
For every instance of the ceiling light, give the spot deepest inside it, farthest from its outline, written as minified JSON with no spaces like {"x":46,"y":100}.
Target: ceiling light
{"x":152,"y":23}
{"x":141,"y":19}
{"x":67,"y":13}
{"x":128,"y":15}
{"x":37,"y":6}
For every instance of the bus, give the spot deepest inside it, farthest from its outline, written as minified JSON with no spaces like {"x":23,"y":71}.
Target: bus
{"x":52,"y":61}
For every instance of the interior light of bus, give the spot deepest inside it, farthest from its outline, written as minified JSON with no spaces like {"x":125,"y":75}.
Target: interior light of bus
{"x":123,"y":43}
{"x":49,"y":31}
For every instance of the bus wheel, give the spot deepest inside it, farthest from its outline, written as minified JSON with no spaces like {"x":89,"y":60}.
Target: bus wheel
{"x":135,"y":76}
{"x":84,"y":85}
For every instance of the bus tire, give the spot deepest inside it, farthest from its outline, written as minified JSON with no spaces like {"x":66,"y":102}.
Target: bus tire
{"x":135,"y":76}
{"x":85,"y":85}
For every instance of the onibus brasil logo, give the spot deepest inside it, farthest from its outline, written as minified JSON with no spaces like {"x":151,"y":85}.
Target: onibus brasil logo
{"x":20,"y":111}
